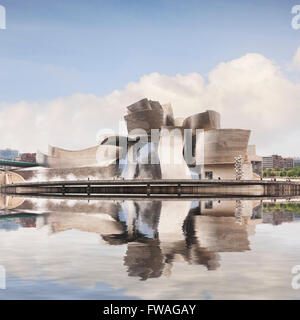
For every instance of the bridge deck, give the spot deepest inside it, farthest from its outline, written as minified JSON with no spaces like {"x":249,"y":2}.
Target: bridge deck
{"x":145,"y":182}
{"x":180,"y":188}
{"x":18,"y":164}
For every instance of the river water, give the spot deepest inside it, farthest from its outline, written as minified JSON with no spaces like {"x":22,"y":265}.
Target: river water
{"x":155,"y":249}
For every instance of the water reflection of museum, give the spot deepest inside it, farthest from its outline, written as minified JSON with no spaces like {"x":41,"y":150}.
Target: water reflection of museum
{"x":158,"y":233}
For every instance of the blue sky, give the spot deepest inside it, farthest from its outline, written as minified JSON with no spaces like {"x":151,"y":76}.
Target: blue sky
{"x":57,"y":48}
{"x":73,"y":66}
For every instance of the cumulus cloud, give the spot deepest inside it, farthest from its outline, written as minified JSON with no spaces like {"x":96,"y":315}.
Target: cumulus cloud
{"x":296,"y":60}
{"x":250,"y":92}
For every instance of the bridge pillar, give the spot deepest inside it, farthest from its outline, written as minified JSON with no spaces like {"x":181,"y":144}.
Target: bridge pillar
{"x":179,"y":189}
{"x":148,"y":189}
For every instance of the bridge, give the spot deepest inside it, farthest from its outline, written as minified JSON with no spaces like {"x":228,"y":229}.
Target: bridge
{"x":19,"y":164}
{"x":184,"y":188}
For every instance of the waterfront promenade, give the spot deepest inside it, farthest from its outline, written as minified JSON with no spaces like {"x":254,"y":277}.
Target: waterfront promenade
{"x":150,"y":188}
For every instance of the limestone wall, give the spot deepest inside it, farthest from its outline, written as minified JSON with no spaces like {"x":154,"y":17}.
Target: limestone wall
{"x":227,"y":172}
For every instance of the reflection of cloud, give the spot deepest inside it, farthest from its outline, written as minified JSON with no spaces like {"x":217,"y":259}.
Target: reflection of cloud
{"x":248,"y":91}
{"x":77,"y":258}
{"x":80,"y":258}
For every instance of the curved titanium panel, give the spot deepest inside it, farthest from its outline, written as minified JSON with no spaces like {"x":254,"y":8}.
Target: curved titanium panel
{"x":146,"y":120}
{"x":71,"y":154}
{"x":155,"y":105}
{"x":170,"y":150}
{"x":141,"y":105}
{"x":168,"y":115}
{"x":146,"y":166}
{"x":207,"y":120}
{"x":102,"y":155}
{"x":223,"y":145}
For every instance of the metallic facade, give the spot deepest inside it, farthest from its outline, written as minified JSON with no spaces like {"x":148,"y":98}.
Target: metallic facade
{"x":144,"y":155}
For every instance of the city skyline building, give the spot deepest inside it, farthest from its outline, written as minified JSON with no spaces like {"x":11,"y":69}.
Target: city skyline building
{"x":8,"y":154}
{"x":278,"y":162}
